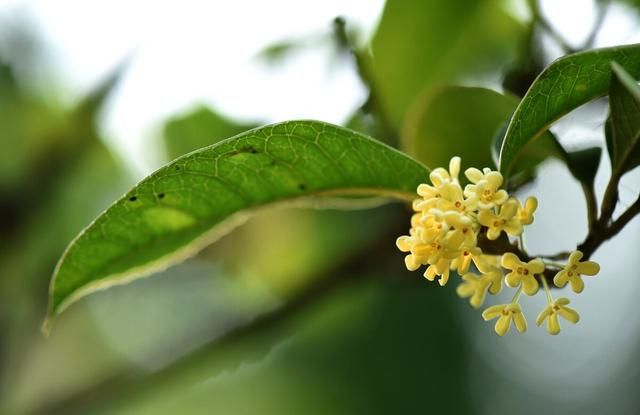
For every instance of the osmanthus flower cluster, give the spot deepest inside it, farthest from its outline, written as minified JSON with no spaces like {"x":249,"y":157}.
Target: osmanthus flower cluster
{"x":446,"y":228}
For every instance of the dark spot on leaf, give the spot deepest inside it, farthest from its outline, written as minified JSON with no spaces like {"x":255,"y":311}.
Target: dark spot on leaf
{"x":177,"y":167}
{"x":133,"y":199}
{"x":302,"y":186}
{"x":244,"y":149}
{"x":160,"y":196}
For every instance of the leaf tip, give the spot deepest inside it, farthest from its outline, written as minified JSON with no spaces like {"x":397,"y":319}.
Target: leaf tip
{"x":45,"y":328}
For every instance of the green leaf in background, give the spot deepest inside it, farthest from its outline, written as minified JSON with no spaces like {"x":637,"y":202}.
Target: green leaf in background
{"x":421,"y":43}
{"x":194,"y":200}
{"x":624,"y":135}
{"x":583,"y":164}
{"x":456,"y":120}
{"x":198,"y":128}
{"x":468,"y":122}
{"x":566,"y":84}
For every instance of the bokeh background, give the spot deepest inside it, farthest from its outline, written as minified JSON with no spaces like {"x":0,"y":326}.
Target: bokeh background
{"x":299,"y":310}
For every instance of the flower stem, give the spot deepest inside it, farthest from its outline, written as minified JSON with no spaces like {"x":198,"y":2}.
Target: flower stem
{"x":516,"y":297}
{"x":547,"y":291}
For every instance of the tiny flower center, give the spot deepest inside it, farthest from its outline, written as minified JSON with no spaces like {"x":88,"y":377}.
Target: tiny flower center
{"x":520,"y":270}
{"x":570,"y":273}
{"x":458,"y":204}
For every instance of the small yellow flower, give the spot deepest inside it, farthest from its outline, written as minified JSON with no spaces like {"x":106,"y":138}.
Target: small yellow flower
{"x":462,"y":235}
{"x":432,"y":226}
{"x":506,"y":220}
{"x":555,"y":309}
{"x":573,"y":270}
{"x":522,"y":273}
{"x":525,"y":213}
{"x":441,"y":268}
{"x":441,"y":176}
{"x":505,"y":313}
{"x":474,"y":286}
{"x":462,"y":262}
{"x":485,"y":190}
{"x":489,"y":266}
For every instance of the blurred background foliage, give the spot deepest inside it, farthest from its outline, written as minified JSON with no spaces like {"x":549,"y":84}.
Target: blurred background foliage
{"x":300,"y":310}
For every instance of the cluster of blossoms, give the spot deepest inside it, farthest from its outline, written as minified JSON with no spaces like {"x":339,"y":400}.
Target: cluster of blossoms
{"x":447,"y":226}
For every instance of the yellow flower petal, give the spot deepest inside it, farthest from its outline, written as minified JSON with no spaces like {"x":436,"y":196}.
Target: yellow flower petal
{"x":404,"y":243}
{"x":493,"y":233}
{"x":494,"y":179}
{"x":454,"y":167}
{"x":474,"y":175}
{"x":530,"y":285}
{"x":492,"y":312}
{"x":543,"y":315}
{"x":535,"y":266}
{"x":577,"y":285}
{"x":502,"y":325}
{"x":588,"y":268}
{"x":561,"y":279}
{"x":511,"y":261}
{"x":569,"y":314}
{"x":575,"y":257}
{"x":411,"y":263}
{"x":553,"y":325}
{"x":512,"y":279}
{"x":520,"y":322}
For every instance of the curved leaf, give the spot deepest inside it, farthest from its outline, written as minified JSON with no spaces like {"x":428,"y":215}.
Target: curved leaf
{"x":192,"y":201}
{"x":624,"y":136}
{"x":469,"y":122}
{"x":563,"y":86}
{"x":456,"y":120}
{"x":419,"y":44}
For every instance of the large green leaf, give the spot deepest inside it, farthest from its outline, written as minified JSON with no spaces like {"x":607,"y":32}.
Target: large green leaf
{"x":194,"y":200}
{"x":566,"y":84}
{"x":624,"y":137}
{"x":456,"y":120}
{"x":466,"y":121}
{"x":420,"y":43}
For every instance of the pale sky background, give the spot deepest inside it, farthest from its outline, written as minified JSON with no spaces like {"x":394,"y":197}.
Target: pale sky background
{"x":181,"y":58}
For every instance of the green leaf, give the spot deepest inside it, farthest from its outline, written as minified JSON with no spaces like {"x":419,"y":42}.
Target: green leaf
{"x":198,"y":128}
{"x":195,"y":199}
{"x":468,"y":122}
{"x":456,"y":121}
{"x":624,"y":135}
{"x":420,"y":43}
{"x":566,"y":84}
{"x":583,"y":164}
